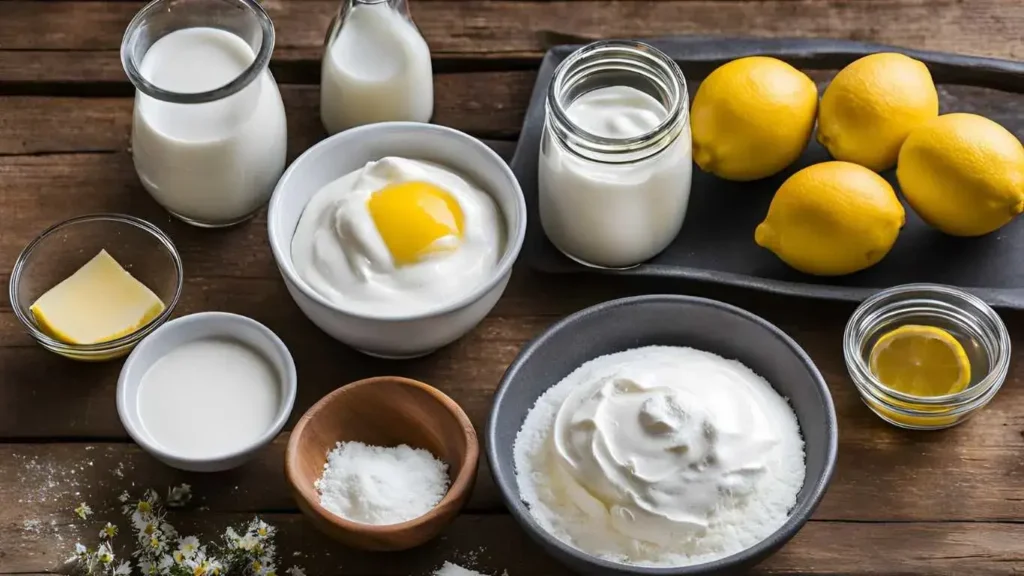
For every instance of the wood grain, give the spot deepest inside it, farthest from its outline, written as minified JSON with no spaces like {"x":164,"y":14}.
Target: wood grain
{"x":901,"y":503}
{"x":485,"y":104}
{"x":485,"y":29}
{"x":493,"y":544}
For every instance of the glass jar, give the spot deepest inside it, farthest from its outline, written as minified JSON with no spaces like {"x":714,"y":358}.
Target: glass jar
{"x":967,"y":318}
{"x":615,"y":158}
{"x":376,"y":67}
{"x":209,"y":132}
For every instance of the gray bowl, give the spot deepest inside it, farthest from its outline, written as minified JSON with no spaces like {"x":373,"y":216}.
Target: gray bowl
{"x":669,"y":321}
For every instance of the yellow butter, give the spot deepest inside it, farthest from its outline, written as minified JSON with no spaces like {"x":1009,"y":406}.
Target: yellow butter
{"x":98,"y":303}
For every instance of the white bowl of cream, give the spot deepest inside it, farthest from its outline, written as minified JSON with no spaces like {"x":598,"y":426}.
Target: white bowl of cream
{"x":206,"y":391}
{"x":368,"y":264}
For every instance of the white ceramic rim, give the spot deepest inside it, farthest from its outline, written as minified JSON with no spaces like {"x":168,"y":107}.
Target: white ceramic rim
{"x":513,"y":242}
{"x":226,"y":319}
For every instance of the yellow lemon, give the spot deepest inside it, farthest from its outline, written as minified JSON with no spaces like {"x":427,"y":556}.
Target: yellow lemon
{"x":751,"y":118}
{"x":831,"y":219}
{"x":872,"y":105}
{"x":923,"y":361}
{"x":963,"y":174}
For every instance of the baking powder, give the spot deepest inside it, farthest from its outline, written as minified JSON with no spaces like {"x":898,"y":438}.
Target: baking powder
{"x":377,"y":485}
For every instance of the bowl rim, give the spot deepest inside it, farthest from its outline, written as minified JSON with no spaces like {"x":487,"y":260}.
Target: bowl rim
{"x":228,"y":320}
{"x":513,"y":242}
{"x":110,"y":345}
{"x":798,"y":516}
{"x":457,"y":487}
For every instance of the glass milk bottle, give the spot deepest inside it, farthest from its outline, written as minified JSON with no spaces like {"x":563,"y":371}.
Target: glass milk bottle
{"x":615,"y":165}
{"x":376,"y":67}
{"x":209,"y":131}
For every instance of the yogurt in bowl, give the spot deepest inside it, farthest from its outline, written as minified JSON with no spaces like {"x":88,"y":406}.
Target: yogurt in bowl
{"x":398,"y":237}
{"x":339,"y":228}
{"x":662,"y":435}
{"x":660,"y":456}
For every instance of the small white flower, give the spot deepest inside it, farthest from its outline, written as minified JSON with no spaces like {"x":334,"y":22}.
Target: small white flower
{"x":104,"y":554}
{"x":108,"y":531}
{"x":295,"y":571}
{"x":80,"y":549}
{"x":155,"y":544}
{"x":247,"y":542}
{"x":123,"y":569}
{"x":83,"y":511}
{"x":143,"y":523}
{"x":179,"y":496}
{"x":143,"y":508}
{"x":165,"y":562}
{"x":214,"y":568}
{"x":188,"y":546}
{"x":262,"y":529}
{"x":148,"y":568}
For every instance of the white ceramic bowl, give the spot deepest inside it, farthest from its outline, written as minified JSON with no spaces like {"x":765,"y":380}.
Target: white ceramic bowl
{"x":409,"y":336}
{"x":187,"y":329}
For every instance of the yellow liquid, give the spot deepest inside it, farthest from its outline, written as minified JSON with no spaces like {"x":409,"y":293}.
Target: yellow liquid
{"x":979,"y":367}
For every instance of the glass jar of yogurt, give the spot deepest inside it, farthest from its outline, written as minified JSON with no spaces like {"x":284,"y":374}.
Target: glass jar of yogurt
{"x":615,"y":158}
{"x":209,"y":132}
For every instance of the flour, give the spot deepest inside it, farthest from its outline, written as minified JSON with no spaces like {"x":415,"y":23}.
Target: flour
{"x":450,"y":569}
{"x":734,"y":523}
{"x":375,"y":485}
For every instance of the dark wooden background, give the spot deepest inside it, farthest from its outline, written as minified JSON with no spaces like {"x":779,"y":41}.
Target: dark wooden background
{"x":901,"y":503}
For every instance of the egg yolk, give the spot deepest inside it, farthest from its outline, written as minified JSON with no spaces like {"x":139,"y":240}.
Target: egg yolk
{"x":412,"y":216}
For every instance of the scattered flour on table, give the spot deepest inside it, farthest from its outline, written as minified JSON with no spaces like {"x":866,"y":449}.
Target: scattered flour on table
{"x":450,"y":569}
{"x":735,"y":524}
{"x":55,"y":481}
{"x":377,"y":485}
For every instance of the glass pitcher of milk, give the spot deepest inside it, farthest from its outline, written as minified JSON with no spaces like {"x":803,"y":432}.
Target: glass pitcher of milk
{"x":209,"y":131}
{"x":376,"y":67}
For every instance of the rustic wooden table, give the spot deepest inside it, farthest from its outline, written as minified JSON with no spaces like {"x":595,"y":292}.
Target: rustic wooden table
{"x":901,"y":503}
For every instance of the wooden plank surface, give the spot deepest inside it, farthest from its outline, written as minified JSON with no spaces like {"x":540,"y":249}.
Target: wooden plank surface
{"x":901,"y":502}
{"x":494,"y":544}
{"x":489,"y":30}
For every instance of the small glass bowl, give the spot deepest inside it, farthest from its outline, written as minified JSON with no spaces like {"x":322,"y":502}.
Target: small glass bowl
{"x":972,"y":322}
{"x":140,"y":247}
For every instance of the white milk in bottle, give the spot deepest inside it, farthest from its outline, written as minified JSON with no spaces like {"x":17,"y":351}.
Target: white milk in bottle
{"x":216,"y":162}
{"x":376,"y":67}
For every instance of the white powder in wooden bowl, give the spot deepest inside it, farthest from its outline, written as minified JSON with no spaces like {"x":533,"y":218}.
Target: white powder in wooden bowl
{"x":377,"y":485}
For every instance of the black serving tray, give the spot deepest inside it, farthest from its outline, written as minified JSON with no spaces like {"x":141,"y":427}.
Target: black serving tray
{"x":716,"y":243}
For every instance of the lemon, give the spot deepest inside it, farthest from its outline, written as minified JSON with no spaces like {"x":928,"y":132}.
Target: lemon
{"x":872,"y":105}
{"x":751,"y":118}
{"x":963,"y":174}
{"x":831,"y":219}
{"x":923,"y":361}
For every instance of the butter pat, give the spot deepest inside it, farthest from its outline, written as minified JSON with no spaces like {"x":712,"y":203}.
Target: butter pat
{"x":98,"y":303}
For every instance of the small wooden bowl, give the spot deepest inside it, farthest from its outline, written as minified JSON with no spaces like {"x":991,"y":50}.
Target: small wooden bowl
{"x":383,"y":411}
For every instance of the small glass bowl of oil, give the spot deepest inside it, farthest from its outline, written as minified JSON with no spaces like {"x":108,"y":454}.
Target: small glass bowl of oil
{"x":974,"y":324}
